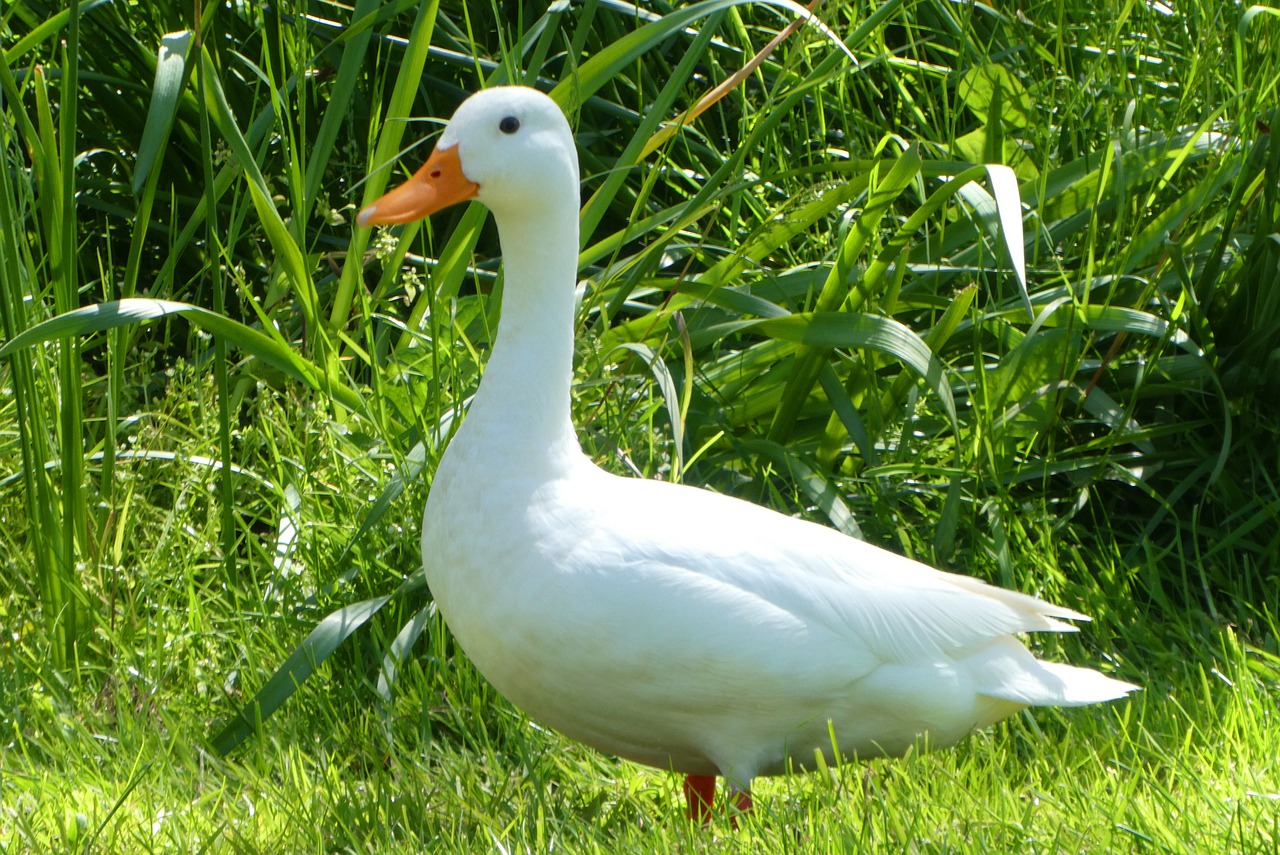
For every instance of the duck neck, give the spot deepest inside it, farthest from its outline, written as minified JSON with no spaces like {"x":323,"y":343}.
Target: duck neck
{"x":525,"y":392}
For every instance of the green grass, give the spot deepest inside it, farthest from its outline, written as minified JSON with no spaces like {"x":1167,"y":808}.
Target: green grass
{"x":791,"y":299}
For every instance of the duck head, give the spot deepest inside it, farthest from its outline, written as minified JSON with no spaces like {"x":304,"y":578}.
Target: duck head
{"x":508,"y":147}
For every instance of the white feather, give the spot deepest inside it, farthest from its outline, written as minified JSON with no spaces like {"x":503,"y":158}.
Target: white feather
{"x":670,"y":625}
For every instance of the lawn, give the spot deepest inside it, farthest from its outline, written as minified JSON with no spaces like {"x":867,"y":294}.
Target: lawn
{"x":995,"y":288}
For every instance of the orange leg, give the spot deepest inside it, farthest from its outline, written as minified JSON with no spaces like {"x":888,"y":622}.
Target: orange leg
{"x":700,"y":795}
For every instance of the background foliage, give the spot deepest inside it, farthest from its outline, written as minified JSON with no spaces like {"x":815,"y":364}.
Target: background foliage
{"x":224,"y":401}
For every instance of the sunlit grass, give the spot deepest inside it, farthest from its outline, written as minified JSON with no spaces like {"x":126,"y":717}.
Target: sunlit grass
{"x":1187,"y":764}
{"x":1113,"y":449}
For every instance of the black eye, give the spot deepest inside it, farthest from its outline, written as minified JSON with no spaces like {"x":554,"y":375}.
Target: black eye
{"x":509,"y":125}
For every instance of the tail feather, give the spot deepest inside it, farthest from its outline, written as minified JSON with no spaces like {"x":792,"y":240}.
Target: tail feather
{"x":1079,"y":686}
{"x":1006,"y":670}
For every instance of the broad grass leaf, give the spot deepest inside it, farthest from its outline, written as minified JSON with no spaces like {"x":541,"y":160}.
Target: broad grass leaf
{"x":845,"y":420}
{"x":1136,"y":321}
{"x":936,"y":340}
{"x":740,"y":301}
{"x":399,"y":649}
{"x":976,"y":147}
{"x":1000,"y":211}
{"x":166,"y":91}
{"x":1109,"y":412}
{"x":1007,"y":392}
{"x":989,"y":86}
{"x":91,"y":319}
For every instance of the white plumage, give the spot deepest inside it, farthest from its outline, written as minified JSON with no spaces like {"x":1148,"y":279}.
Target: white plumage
{"x":666,"y":624}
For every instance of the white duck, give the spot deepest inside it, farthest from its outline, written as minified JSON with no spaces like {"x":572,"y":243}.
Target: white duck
{"x":666,"y":624}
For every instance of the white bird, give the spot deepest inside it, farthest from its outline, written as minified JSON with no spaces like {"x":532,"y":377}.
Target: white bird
{"x":670,"y":625}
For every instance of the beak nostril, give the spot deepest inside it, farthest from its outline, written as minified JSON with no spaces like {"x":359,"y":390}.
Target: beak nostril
{"x":436,"y":184}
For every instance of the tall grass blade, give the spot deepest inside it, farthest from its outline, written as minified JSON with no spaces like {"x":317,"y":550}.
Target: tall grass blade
{"x":655,"y":141}
{"x":842,"y":286}
{"x":607,"y":63}
{"x":19,"y":246}
{"x":1008,"y":201}
{"x":391,"y":128}
{"x":166,"y":91}
{"x":287,"y":252}
{"x":49,"y":28}
{"x":638,"y":148}
{"x":338,"y":106}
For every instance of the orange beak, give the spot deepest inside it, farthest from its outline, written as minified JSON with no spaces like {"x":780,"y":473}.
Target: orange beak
{"x":438,"y":184}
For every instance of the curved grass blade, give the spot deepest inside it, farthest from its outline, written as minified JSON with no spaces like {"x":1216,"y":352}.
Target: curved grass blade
{"x":1122,"y":319}
{"x":670,"y":396}
{"x":1004,"y":189}
{"x":819,"y":489}
{"x":842,"y":421}
{"x":336,"y":628}
{"x":47,"y":29}
{"x":286,"y":249}
{"x":613,"y":59}
{"x":835,"y":329}
{"x":399,"y":650}
{"x":1252,"y":12}
{"x":133,"y":310}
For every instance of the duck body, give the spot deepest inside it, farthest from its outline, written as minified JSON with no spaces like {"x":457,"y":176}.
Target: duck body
{"x":670,"y":625}
{"x":702,"y":634}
